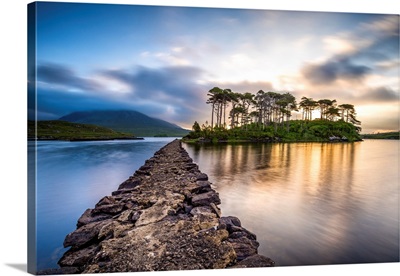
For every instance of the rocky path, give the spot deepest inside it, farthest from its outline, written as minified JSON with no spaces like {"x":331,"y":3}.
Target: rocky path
{"x":164,"y":217}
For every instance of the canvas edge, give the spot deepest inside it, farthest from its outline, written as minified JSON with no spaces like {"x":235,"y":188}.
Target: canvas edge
{"x":31,"y":95}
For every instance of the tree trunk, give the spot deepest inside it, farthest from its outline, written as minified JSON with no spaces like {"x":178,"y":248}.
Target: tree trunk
{"x":212,"y":115}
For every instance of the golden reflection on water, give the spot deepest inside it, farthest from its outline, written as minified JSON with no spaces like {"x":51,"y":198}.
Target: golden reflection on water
{"x":311,"y":203}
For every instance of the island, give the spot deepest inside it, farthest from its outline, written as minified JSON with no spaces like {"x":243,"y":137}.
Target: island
{"x":267,"y":117}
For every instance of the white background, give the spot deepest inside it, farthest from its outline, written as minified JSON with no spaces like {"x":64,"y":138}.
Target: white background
{"x":13,"y":233}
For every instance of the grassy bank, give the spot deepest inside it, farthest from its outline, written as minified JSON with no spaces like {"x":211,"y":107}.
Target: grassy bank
{"x":61,"y":130}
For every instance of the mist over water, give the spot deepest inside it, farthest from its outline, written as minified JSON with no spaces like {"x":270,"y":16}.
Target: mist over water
{"x":308,"y":203}
{"x":311,"y":203}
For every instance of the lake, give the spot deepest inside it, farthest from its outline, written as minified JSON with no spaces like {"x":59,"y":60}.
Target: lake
{"x":308,"y":203}
{"x":311,"y":203}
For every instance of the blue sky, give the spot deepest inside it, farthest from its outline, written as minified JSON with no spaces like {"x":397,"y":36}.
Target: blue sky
{"x":162,"y":60}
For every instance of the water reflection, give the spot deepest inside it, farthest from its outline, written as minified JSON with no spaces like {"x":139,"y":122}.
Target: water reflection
{"x":311,"y":203}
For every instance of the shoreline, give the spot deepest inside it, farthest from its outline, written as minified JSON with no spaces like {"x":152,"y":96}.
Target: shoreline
{"x":85,"y":139}
{"x":261,"y":141}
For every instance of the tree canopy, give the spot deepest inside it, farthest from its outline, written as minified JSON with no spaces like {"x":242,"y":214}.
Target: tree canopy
{"x":265,"y":108}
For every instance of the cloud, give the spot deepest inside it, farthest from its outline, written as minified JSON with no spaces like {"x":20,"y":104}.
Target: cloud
{"x":59,"y":75}
{"x":175,"y":90}
{"x":388,"y":65}
{"x":177,"y":83}
{"x":344,"y":43}
{"x":172,"y":93}
{"x":356,"y":55}
{"x":388,"y":25}
{"x":381,"y":94}
{"x":244,"y":86}
{"x":334,"y":69}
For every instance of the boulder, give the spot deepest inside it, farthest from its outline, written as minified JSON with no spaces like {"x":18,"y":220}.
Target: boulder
{"x":84,"y":234}
{"x":206,"y":199}
{"x":88,"y":217}
{"x":129,"y":184}
{"x":76,"y":258}
{"x":255,"y":260}
{"x":201,"y":187}
{"x":244,"y":247}
{"x":202,"y":177}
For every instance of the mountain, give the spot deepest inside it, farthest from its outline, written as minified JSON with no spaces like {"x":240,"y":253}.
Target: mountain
{"x":128,"y":121}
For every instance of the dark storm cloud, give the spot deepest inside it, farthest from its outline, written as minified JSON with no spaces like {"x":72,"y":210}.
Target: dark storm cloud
{"x":335,"y":69}
{"x":61,"y":75}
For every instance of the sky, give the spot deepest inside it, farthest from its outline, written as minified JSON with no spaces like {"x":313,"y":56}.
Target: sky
{"x":162,"y":60}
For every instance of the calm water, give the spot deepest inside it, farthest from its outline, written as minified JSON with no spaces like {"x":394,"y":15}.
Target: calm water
{"x":74,"y":176}
{"x":308,"y":203}
{"x":311,"y":203}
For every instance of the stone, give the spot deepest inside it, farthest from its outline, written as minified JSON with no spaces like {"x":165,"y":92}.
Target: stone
{"x":129,"y":184}
{"x":79,"y":257}
{"x":201,"y":187}
{"x":229,"y":222}
{"x":122,"y":191}
{"x":89,"y":217}
{"x":84,"y":234}
{"x":107,"y":200}
{"x":125,"y":216}
{"x":244,"y":247}
{"x":202,"y":177}
{"x":243,"y":233}
{"x":255,"y":260}
{"x":112,"y":209}
{"x":191,"y":166}
{"x":114,"y":229}
{"x":216,"y":210}
{"x":201,"y":211}
{"x":206,"y":199}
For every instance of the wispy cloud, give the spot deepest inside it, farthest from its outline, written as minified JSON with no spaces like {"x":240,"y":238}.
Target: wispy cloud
{"x":59,"y":75}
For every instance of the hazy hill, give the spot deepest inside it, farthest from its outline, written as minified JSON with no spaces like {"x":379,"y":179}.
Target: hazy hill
{"x":128,"y":121}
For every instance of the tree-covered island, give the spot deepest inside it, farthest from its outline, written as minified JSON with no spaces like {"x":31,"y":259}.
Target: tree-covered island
{"x":267,"y":117}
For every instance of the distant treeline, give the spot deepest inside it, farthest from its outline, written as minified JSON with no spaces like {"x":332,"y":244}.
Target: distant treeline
{"x":395,"y":135}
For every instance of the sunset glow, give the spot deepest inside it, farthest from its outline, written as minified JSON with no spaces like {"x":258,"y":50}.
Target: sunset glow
{"x":162,"y":60}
